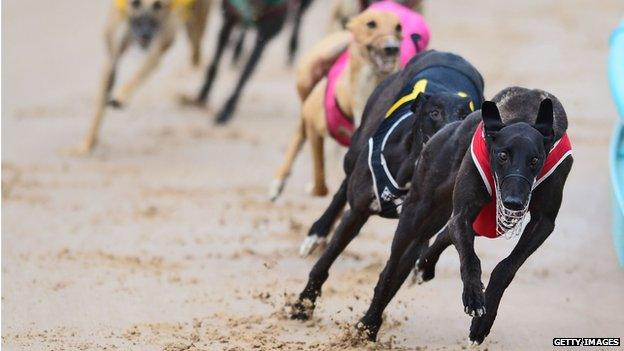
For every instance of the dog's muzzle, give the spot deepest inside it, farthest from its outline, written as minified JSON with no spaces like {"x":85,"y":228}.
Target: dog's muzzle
{"x":511,"y":222}
{"x":385,"y":54}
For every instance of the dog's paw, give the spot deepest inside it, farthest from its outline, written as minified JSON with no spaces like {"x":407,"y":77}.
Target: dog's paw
{"x":310,"y":243}
{"x":276,"y":188}
{"x":422,"y":273}
{"x":189,"y":101}
{"x":480,"y":329}
{"x":116,"y":103}
{"x":314,"y":190}
{"x":474,"y":345}
{"x":223,"y":117}
{"x":302,"y":310}
{"x":474,"y":301}
{"x":81,"y":150}
{"x":368,"y":330}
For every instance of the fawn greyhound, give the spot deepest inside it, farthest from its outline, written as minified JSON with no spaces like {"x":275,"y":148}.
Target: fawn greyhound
{"x":434,"y":89}
{"x":500,"y":172}
{"x":152,"y":25}
{"x":382,"y":39}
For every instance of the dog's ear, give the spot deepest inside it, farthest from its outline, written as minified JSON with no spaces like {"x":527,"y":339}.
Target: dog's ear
{"x":492,"y":121}
{"x":544,"y":121}
{"x":353,"y":23}
{"x":419,"y":102}
{"x":416,"y":40}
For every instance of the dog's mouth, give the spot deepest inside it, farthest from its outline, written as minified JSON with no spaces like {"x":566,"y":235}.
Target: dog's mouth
{"x":144,"y":28}
{"x":386,"y":58}
{"x":144,"y":41}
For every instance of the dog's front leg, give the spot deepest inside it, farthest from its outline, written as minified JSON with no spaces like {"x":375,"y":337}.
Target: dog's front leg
{"x":348,"y":229}
{"x":463,"y":236}
{"x":319,"y":231}
{"x":425,"y":266}
{"x":117,"y":41}
{"x":536,"y":232}
{"x":149,"y":65}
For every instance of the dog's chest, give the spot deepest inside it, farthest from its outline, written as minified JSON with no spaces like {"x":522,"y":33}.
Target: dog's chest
{"x":365,"y":82}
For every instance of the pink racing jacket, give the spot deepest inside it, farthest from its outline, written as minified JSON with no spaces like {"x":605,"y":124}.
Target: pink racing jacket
{"x":339,"y":125}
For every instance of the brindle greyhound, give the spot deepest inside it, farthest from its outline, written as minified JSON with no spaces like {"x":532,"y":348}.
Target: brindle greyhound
{"x":449,"y":186}
{"x":267,"y":17}
{"x":404,"y":111}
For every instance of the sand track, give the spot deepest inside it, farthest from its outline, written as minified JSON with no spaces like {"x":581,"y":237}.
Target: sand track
{"x":164,"y":240}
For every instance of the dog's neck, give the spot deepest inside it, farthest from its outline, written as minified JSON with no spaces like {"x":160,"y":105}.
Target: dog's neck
{"x":357,"y":83}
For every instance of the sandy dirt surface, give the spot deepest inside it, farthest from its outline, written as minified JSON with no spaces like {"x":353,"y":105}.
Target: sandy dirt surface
{"x":164,"y":239}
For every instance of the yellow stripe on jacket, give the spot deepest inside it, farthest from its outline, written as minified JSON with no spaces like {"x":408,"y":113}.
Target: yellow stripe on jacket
{"x":185,"y":7}
{"x":419,"y":87}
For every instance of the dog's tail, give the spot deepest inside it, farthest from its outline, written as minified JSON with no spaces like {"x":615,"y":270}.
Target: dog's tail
{"x":317,"y":62}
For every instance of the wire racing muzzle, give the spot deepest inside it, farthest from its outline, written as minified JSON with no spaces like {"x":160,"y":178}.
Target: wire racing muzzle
{"x":511,"y":223}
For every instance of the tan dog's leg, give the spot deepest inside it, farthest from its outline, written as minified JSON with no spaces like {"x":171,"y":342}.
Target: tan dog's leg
{"x":195,"y":28}
{"x":117,"y":40}
{"x":282,"y":173}
{"x":149,"y":65}
{"x":313,"y":112}
{"x":319,"y":188}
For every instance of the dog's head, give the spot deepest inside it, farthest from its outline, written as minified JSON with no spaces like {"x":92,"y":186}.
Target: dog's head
{"x":434,"y":111}
{"x":517,"y":152}
{"x":146,"y":17}
{"x":377,"y":36}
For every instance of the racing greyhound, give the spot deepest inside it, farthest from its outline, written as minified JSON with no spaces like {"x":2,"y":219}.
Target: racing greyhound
{"x":500,"y":172}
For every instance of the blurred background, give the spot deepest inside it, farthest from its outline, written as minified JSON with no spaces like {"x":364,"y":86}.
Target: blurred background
{"x":164,"y":237}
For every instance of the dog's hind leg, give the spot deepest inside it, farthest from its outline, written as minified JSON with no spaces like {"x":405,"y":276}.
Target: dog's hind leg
{"x":283,"y":172}
{"x":238,"y":47}
{"x":319,"y":188}
{"x":348,"y":229}
{"x":211,"y":71}
{"x":267,"y":30}
{"x":545,"y":204}
{"x":412,"y":254}
{"x":409,"y":232}
{"x":293,"y":44}
{"x":196,"y":27}
{"x":317,"y":235}
{"x":425,"y":266}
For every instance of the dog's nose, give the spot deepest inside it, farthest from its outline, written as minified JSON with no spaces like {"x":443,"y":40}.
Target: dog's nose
{"x":513,"y":203}
{"x":391,"y":50}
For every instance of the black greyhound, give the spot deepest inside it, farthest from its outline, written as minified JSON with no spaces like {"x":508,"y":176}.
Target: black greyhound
{"x":404,"y":111}
{"x":522,"y":159}
{"x":300,"y":7}
{"x":267,"y":17}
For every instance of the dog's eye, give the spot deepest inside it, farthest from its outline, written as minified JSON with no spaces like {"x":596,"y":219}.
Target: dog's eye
{"x":398,"y":28}
{"x":435,"y":114}
{"x":503,"y":156}
{"x":533,"y":161}
{"x":136,"y":3}
{"x":157,"y":5}
{"x":371,"y":24}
